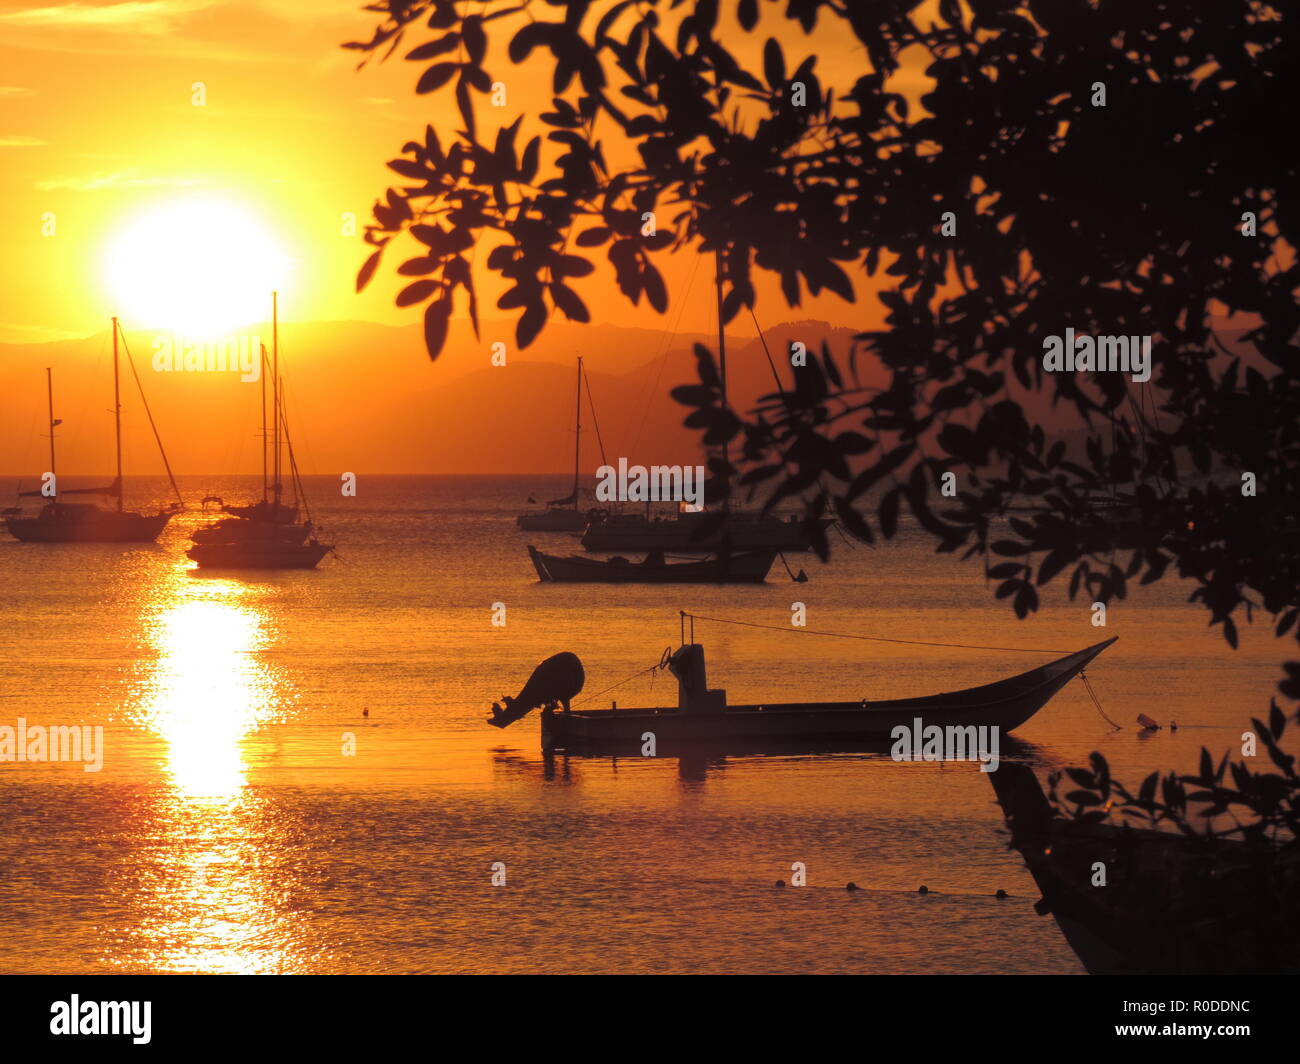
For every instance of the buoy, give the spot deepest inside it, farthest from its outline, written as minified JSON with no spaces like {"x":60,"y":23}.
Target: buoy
{"x":366,"y":712}
{"x":850,"y":886}
{"x":1173,"y":725}
{"x":780,"y":882}
{"x":1001,"y":893}
{"x":923,"y":889}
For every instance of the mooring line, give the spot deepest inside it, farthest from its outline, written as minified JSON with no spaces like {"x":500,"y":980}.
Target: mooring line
{"x":874,"y":638}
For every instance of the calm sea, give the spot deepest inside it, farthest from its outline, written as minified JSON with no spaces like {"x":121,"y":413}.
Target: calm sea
{"x":249,"y":818}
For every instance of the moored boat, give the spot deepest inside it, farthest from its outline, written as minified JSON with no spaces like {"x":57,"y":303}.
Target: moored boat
{"x":265,"y":534}
{"x":749,"y":567}
{"x":66,"y":522}
{"x":244,"y":530}
{"x":258,"y":554}
{"x":703,"y":716}
{"x":566,"y":514}
{"x":1173,"y":903}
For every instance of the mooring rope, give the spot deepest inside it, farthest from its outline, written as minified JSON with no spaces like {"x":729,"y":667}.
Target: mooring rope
{"x":660,"y":664}
{"x":1097,"y":702}
{"x":874,"y":638}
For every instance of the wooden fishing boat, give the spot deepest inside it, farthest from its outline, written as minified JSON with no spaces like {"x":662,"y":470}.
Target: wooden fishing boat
{"x":1171,"y":904}
{"x":748,"y":567}
{"x":702,"y":716}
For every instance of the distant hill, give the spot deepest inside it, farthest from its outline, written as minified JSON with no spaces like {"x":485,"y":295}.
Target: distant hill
{"x":365,"y":397}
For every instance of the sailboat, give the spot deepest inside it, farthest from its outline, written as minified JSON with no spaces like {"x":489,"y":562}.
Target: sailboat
{"x":699,"y":533}
{"x":71,"y":522}
{"x":563,"y":515}
{"x":266,"y":534}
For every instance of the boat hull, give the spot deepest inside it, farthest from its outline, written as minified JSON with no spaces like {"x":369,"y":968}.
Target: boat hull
{"x":88,"y":525}
{"x":1006,"y":705}
{"x":1173,"y":903}
{"x":257,"y":555}
{"x":741,"y":568}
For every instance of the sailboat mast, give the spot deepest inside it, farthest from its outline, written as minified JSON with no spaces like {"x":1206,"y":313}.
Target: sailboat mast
{"x":262,"y":374}
{"x":577,"y":440}
{"x":117,"y":417}
{"x":722,"y":359}
{"x":49,"y":392}
{"x":275,"y":397}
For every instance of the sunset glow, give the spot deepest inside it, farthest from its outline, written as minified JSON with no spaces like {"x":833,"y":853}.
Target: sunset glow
{"x":199,"y":267}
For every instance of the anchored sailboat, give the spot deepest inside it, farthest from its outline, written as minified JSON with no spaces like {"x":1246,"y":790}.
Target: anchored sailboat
{"x":68,"y":522}
{"x":699,"y":532}
{"x":265,"y":534}
{"x":564,"y":515}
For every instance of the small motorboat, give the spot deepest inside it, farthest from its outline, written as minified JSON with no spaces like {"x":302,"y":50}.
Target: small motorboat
{"x":745,"y":567}
{"x":703,"y":717}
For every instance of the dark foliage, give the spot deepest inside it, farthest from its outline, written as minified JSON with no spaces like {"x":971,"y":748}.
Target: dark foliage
{"x":1122,"y":219}
{"x":1227,"y":800}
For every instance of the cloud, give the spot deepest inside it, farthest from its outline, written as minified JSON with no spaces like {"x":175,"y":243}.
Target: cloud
{"x":123,"y":179}
{"x":9,"y":92}
{"x":21,"y":142}
{"x":131,"y":16}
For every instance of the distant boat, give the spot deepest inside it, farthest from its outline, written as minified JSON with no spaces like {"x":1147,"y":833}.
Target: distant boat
{"x":692,"y":533}
{"x":563,"y":515}
{"x":246,"y":530}
{"x":263,"y":510}
{"x":703,"y":717}
{"x":700,"y":532}
{"x":65,"y":522}
{"x":1173,"y":903}
{"x":265,"y":534}
{"x":742,"y":568}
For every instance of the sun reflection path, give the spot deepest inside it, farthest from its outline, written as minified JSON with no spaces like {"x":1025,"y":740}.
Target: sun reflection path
{"x":209,"y":896}
{"x":209,"y":689}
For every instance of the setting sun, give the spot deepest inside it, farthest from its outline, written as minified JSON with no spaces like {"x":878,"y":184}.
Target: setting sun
{"x":198,"y":267}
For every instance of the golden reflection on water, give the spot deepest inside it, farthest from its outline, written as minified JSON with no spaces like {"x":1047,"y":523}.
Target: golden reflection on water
{"x":210,"y":689}
{"x":206,"y":894}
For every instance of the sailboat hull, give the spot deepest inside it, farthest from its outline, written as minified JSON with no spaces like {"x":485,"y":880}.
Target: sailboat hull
{"x":1005,"y":704}
{"x":62,"y":523}
{"x":257,"y":554}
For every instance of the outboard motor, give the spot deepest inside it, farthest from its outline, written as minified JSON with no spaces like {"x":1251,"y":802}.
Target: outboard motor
{"x":554,"y":682}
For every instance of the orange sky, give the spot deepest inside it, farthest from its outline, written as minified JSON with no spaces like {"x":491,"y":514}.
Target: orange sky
{"x":98,"y":129}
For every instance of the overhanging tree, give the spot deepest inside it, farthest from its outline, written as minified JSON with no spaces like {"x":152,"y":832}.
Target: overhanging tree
{"x":1113,"y":167}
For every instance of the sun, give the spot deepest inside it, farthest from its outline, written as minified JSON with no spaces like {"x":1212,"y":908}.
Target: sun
{"x":200,"y":268}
